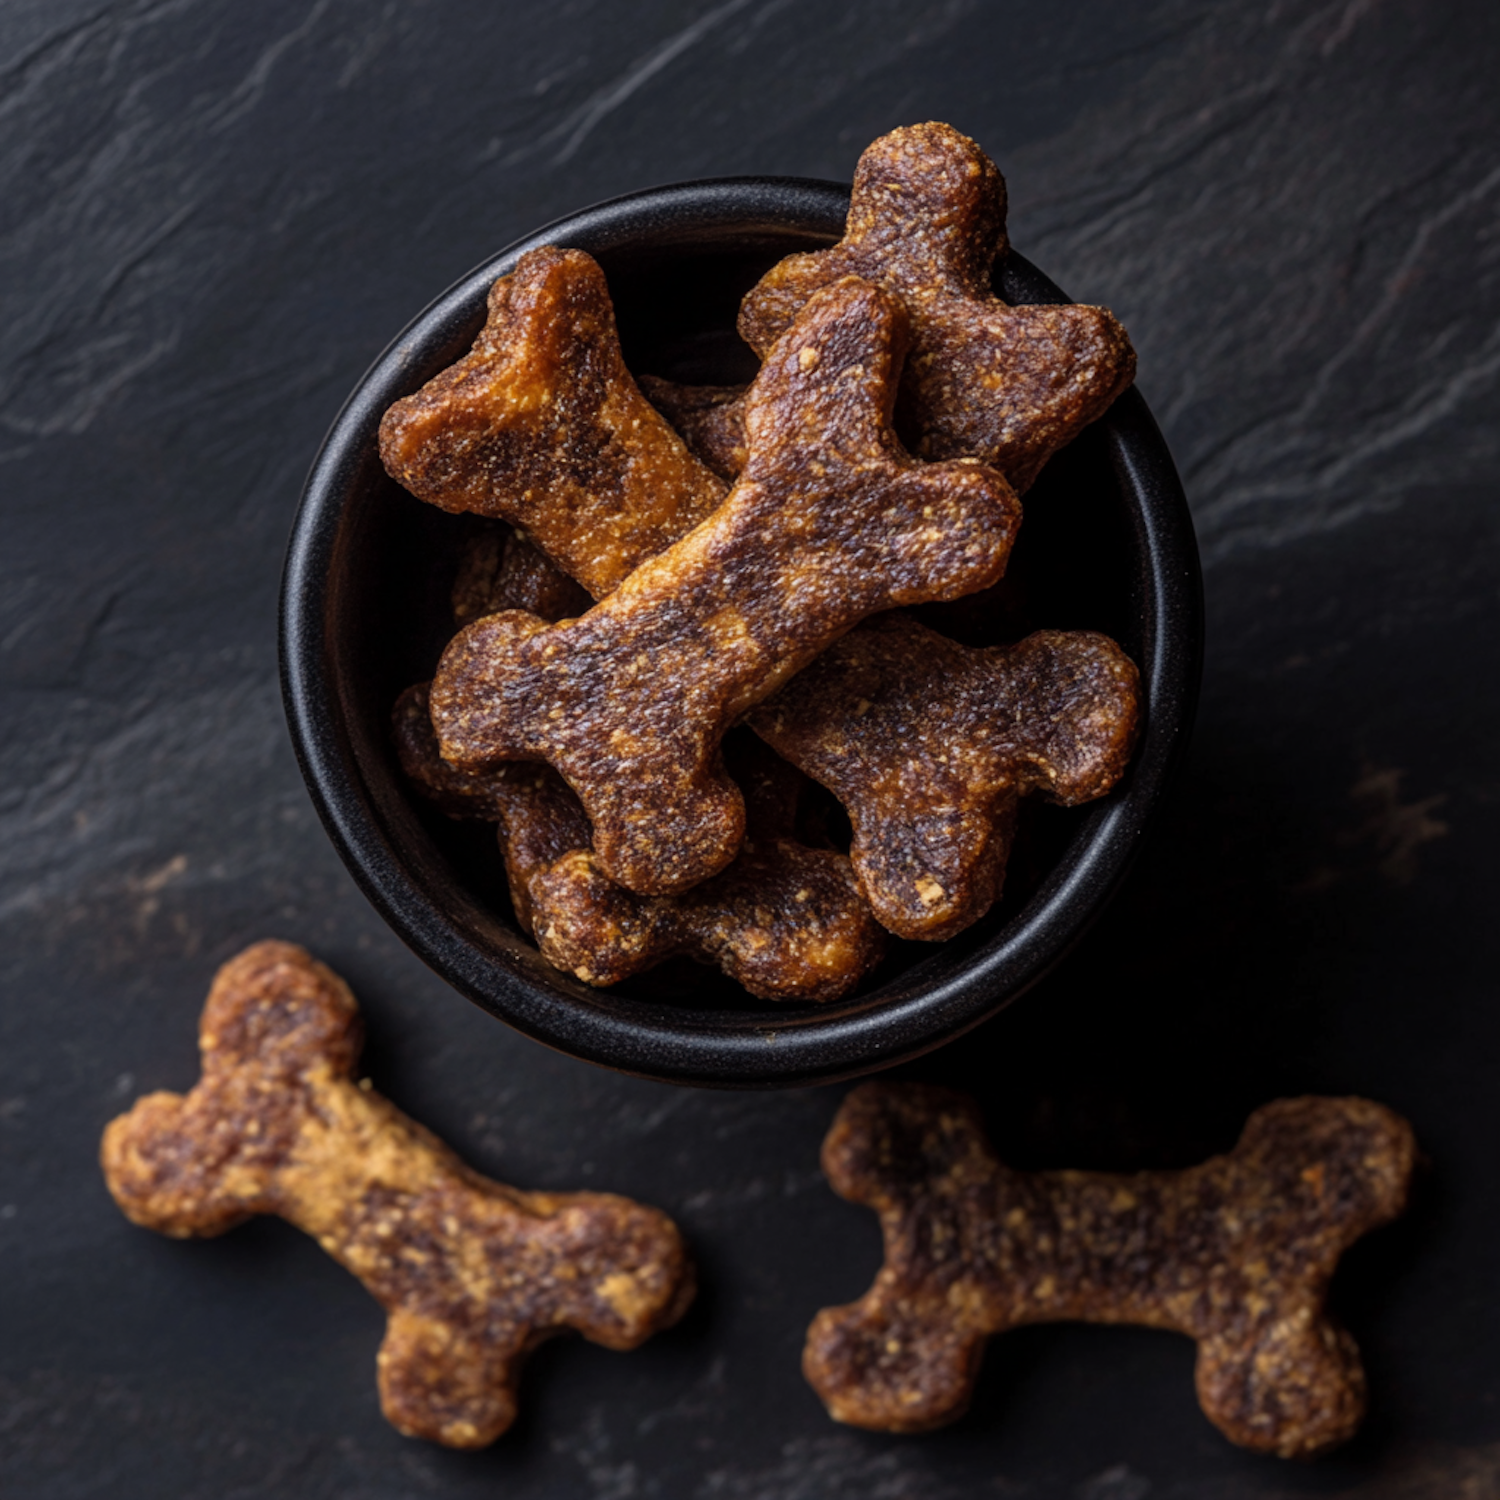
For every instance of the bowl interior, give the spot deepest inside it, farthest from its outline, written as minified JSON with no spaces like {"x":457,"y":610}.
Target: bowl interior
{"x":370,"y":575}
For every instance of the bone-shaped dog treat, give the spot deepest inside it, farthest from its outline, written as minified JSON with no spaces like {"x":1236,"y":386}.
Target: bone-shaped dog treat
{"x":830,"y":521}
{"x":785,"y":920}
{"x":1236,"y":1253}
{"x":501,"y":569}
{"x":710,"y":419}
{"x":471,"y":1273}
{"x":929,"y":745}
{"x":1009,"y":385}
{"x":543,"y":426}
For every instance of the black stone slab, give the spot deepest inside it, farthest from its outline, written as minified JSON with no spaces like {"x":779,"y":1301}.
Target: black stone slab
{"x":211,"y":218}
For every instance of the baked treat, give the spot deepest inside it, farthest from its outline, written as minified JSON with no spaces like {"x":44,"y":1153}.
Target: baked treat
{"x":830,"y":521}
{"x":930,"y":745}
{"x":1236,"y":1253}
{"x":1008,"y":385}
{"x":784,"y":919}
{"x":541,"y":425}
{"x":472,"y":1274}
{"x":710,"y":419}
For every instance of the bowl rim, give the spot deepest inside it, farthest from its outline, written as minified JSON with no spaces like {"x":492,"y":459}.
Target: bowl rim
{"x":760,"y":1049}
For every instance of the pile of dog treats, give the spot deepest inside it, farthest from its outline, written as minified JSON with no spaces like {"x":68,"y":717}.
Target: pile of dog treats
{"x":695,"y":602}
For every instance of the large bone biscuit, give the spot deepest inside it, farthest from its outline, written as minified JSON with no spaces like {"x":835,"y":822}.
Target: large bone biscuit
{"x":929,"y":745}
{"x":1236,"y":1253}
{"x":1009,"y":385}
{"x":785,"y":920}
{"x":829,"y":522}
{"x":543,"y":426}
{"x":472,"y":1274}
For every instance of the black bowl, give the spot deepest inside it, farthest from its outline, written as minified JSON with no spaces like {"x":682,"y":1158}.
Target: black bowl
{"x":1107,"y":544}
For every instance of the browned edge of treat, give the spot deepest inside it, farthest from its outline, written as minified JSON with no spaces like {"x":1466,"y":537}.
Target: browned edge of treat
{"x":1237,"y":1253}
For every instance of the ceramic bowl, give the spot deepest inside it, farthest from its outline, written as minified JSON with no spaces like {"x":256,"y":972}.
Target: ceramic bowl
{"x":1107,"y":544}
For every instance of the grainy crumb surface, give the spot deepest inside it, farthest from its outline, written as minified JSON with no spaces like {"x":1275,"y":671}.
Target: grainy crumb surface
{"x":710,"y":419}
{"x":1236,"y":1253}
{"x":785,"y":919}
{"x":541,"y":425}
{"x":1009,"y":385}
{"x":830,"y":521}
{"x":929,"y":745}
{"x":472,"y":1274}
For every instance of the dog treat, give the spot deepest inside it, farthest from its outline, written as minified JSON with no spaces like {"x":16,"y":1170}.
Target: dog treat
{"x":472,"y":1274}
{"x":929,"y":745}
{"x":785,"y":920}
{"x":830,"y":521}
{"x":500,"y":569}
{"x":710,"y":419}
{"x":1008,"y":385}
{"x":543,"y":426}
{"x":1236,"y":1253}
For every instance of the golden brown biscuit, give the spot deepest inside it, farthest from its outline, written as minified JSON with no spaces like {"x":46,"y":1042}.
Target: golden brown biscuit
{"x":785,"y":920}
{"x":1008,"y":385}
{"x":830,"y":521}
{"x":1236,"y":1253}
{"x":472,"y":1274}
{"x":929,"y":745}
{"x":543,"y":426}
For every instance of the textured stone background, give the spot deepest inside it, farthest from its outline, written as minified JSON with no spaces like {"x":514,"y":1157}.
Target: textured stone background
{"x":213,"y":215}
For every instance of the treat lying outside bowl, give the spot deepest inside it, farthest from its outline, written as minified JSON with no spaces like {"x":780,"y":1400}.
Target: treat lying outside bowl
{"x":1107,"y":545}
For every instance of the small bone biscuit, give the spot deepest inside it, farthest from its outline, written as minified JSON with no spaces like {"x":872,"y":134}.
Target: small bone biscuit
{"x":929,"y":745}
{"x":1009,"y":385}
{"x":1236,"y":1253}
{"x":785,"y":920}
{"x":500,"y":569}
{"x":710,"y":419}
{"x":830,"y":521}
{"x":472,"y":1274}
{"x":543,"y":426}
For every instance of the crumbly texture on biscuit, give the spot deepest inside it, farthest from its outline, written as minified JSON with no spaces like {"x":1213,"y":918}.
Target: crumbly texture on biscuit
{"x":472,"y":1274}
{"x":541,"y":425}
{"x":784,"y":919}
{"x":1008,"y":385}
{"x":710,"y":419}
{"x":929,"y":745}
{"x":1236,"y":1253}
{"x":830,"y":521}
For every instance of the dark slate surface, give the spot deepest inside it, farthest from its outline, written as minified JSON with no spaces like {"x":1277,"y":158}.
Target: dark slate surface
{"x":213,"y":215}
